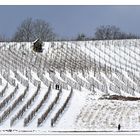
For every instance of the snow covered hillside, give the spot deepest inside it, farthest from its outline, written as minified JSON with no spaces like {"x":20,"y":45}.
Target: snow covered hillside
{"x":90,"y":86}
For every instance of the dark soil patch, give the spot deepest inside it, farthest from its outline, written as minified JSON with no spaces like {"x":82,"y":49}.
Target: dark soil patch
{"x":119,"y":97}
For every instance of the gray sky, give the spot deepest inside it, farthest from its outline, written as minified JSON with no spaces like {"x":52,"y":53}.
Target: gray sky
{"x":68,"y":21}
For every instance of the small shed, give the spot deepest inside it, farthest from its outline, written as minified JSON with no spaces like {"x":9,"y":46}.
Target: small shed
{"x":37,"y":45}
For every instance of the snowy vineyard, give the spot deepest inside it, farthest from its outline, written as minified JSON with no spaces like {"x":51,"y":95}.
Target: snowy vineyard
{"x":63,"y":88}
{"x":106,"y":115}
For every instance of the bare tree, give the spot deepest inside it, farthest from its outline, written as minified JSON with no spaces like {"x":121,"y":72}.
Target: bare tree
{"x":112,"y":32}
{"x":43,"y":30}
{"x":24,"y":31}
{"x":129,"y":36}
{"x":30,"y":30}
{"x":107,"y":32}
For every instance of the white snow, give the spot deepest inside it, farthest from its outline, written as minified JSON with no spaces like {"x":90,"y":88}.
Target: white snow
{"x":84,"y":111}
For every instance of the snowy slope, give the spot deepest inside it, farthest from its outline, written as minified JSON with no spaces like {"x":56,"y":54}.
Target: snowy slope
{"x":92,"y":69}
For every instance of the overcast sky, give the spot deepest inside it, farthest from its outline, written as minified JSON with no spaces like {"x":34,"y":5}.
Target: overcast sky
{"x":68,"y":21}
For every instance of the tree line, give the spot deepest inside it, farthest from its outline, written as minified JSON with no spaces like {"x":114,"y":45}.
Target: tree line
{"x":108,"y":32}
{"x":29,"y":30}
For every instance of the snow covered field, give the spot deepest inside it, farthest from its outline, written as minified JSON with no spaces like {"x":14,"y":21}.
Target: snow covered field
{"x":106,"y":115}
{"x":84,"y":73}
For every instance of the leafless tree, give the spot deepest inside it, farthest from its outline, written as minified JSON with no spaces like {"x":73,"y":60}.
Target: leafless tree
{"x":30,"y":30}
{"x":112,"y":32}
{"x":24,"y":31}
{"x":43,"y":30}
{"x":107,"y":32}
